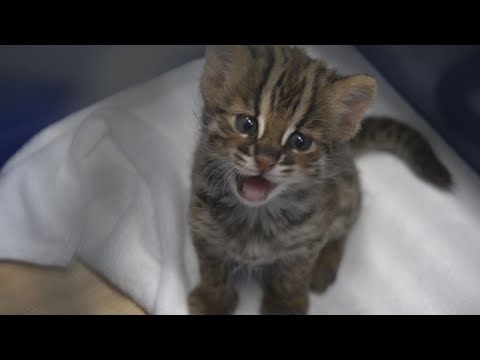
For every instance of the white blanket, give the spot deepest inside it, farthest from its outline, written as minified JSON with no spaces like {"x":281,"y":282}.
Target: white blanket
{"x":111,"y":185}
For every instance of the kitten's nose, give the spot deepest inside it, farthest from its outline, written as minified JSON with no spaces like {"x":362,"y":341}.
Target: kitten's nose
{"x":264,"y":163}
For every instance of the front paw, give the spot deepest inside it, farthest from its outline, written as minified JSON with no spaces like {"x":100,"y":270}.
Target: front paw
{"x":205,"y":301}
{"x":322,"y":277}
{"x":274,"y":304}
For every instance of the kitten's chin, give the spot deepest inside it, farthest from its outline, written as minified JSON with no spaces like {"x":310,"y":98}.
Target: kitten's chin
{"x":253,"y":190}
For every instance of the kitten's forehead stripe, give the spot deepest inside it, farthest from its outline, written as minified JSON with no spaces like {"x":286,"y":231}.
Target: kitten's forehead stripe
{"x":295,"y":105}
{"x":265,"y":77}
{"x":313,"y":95}
{"x":276,"y":88}
{"x":288,"y":95}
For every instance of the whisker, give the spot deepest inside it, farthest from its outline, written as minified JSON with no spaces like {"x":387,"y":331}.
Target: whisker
{"x":226,"y":177}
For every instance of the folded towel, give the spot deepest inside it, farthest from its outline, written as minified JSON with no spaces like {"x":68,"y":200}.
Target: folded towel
{"x":110,"y":184}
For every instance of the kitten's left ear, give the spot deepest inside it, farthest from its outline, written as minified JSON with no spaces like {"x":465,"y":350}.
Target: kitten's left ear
{"x":352,"y":96}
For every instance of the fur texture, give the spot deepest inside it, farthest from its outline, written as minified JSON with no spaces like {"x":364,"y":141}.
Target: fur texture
{"x":278,"y":123}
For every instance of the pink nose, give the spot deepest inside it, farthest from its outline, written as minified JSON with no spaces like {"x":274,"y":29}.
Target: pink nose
{"x":264,"y":163}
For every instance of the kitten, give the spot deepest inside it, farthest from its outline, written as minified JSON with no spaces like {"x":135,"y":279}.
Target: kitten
{"x":274,"y":183}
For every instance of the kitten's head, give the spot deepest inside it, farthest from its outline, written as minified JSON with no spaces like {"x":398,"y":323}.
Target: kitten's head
{"x":271,"y":114}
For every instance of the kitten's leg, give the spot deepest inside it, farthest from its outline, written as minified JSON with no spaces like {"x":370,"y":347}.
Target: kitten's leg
{"x":286,"y":291}
{"x":215,"y":295}
{"x":326,"y":266}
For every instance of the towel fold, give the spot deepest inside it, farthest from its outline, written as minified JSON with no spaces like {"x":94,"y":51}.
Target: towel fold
{"x":110,"y":184}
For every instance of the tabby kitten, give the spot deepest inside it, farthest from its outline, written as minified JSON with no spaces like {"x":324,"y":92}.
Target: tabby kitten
{"x":274,"y":184}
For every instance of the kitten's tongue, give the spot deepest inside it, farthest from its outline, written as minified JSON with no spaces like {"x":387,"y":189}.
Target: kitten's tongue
{"x":254,"y":188}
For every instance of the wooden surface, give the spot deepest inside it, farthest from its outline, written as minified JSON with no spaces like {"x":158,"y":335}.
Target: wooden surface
{"x":26,"y":289}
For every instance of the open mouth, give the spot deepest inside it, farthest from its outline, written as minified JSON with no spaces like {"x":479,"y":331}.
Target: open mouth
{"x":255,"y":189}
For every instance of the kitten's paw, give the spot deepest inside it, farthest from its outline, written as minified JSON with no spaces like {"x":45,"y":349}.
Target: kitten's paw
{"x":326,"y":267}
{"x":292,"y":305}
{"x":323,"y":277}
{"x":203,"y":301}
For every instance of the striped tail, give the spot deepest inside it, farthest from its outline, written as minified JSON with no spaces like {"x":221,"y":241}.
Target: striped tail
{"x":382,"y":133}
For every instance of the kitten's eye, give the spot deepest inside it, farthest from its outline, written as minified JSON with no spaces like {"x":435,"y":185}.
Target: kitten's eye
{"x":246,"y":124}
{"x":300,"y":141}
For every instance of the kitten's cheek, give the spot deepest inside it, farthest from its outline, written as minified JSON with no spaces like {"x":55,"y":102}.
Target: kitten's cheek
{"x":233,"y":183}
{"x":280,"y":188}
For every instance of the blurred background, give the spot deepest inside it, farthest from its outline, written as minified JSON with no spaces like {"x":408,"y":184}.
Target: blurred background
{"x":41,"y":84}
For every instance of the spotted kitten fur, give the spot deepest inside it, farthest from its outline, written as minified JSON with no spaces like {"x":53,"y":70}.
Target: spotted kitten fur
{"x":274,"y":184}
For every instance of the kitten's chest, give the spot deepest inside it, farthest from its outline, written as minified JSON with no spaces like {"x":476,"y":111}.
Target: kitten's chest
{"x":266,"y":240}
{"x":256,"y":250}
{"x":262,"y":235}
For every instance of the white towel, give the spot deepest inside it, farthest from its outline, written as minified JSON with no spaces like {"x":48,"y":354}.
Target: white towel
{"x":111,"y":185}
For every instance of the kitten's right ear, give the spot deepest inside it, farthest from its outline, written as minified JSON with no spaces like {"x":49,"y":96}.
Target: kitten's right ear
{"x":218,"y":62}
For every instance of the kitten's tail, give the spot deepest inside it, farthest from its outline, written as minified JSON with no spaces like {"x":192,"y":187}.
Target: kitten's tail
{"x":382,"y":133}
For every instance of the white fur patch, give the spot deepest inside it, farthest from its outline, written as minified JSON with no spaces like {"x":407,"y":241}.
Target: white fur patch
{"x":287,"y":134}
{"x":261,"y":126}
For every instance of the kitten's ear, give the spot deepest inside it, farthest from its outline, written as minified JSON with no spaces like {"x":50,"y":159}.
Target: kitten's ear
{"x":352,"y":96}
{"x":218,"y":62}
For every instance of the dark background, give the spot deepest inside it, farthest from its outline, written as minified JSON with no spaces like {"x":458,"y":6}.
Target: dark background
{"x":41,"y":84}
{"x":442,"y":82}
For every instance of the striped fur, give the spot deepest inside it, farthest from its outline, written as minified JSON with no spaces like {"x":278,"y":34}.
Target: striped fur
{"x":382,"y":133}
{"x":298,"y":233}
